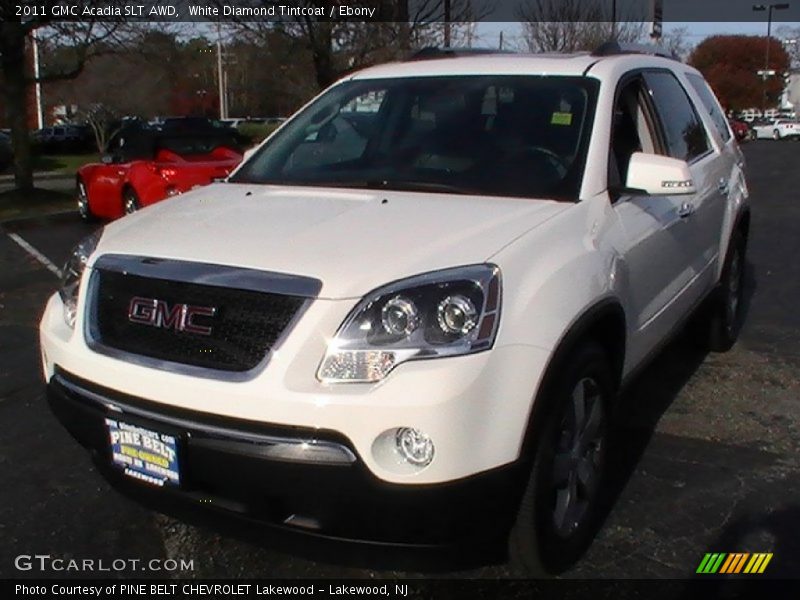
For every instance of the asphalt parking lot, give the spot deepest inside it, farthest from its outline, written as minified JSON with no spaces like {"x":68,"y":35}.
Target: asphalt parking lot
{"x":706,"y":457}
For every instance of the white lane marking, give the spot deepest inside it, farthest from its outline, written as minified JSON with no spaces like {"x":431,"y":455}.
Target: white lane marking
{"x":36,"y":254}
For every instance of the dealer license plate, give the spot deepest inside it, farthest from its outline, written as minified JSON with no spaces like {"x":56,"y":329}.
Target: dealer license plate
{"x":144,"y":454}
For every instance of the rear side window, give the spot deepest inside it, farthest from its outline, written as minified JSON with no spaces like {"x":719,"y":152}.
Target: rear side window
{"x":710,"y":103}
{"x":684,"y":132}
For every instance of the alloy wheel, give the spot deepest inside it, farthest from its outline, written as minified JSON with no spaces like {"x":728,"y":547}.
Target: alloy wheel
{"x":131,"y":205}
{"x":733,"y":289}
{"x":579,"y":457}
{"x":83,"y":201}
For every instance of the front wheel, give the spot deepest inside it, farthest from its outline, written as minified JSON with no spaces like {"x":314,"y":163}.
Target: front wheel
{"x":130,"y":201}
{"x":560,"y":507}
{"x":776,"y":135}
{"x":84,"y":210}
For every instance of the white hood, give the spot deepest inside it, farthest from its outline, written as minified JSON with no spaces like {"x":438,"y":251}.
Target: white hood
{"x":351,"y":240}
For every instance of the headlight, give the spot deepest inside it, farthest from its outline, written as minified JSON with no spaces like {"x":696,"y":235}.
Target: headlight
{"x":445,"y":313}
{"x":72,"y":272}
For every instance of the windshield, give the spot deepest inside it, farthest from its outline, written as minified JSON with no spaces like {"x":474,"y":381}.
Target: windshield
{"x":489,"y":135}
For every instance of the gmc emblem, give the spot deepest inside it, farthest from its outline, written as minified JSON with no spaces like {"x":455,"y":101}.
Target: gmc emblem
{"x":157,"y":313}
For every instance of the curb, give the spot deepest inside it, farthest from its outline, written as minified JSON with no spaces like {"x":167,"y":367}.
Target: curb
{"x":57,"y":213}
{"x":45,"y":175}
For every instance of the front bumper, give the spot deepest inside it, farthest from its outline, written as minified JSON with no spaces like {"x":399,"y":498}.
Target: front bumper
{"x":475,"y":408}
{"x":223,"y":468}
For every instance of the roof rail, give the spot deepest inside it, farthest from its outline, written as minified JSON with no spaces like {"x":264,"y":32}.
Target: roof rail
{"x":431,"y":52}
{"x":614,"y":48}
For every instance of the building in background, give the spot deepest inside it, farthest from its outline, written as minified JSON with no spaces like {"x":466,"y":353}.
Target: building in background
{"x":30,"y":96}
{"x":790,"y":100}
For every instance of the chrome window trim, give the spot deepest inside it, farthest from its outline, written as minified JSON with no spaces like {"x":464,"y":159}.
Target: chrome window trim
{"x":202,"y":274}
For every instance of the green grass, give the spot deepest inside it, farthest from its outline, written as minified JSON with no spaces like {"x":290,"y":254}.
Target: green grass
{"x":67,"y":164}
{"x":19,"y":205}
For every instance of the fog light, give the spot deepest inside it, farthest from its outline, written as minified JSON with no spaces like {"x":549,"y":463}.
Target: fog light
{"x":414,"y":446}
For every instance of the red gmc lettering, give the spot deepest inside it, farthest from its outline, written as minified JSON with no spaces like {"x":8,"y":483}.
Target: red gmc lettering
{"x":191,"y":311}
{"x":158,"y":313}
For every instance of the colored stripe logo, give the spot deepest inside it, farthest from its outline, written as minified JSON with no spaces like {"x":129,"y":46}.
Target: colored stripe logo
{"x":734,"y":563}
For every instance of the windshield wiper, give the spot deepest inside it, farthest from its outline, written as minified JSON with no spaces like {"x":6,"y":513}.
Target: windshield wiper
{"x":371,"y":184}
{"x":399,"y":185}
{"x":428,"y":186}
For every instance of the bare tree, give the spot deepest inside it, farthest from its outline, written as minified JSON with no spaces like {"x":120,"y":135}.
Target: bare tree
{"x":119,"y":85}
{"x":105,"y":123}
{"x":575,"y":25}
{"x":675,"y":42}
{"x":338,"y":45}
{"x":85,"y":38}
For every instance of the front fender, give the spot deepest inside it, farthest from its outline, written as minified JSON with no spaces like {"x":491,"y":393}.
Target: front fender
{"x":146,"y":182}
{"x":103,"y":187}
{"x":736,"y":206}
{"x":555,"y":273}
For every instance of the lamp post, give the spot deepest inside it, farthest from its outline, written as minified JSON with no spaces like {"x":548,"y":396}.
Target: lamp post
{"x":769,"y":8}
{"x":614,"y":20}
{"x":447,"y":17}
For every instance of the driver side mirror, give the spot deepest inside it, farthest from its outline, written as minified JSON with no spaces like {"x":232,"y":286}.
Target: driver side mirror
{"x":658,"y":175}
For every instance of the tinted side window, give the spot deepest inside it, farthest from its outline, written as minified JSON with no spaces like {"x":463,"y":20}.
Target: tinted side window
{"x":685,"y":135}
{"x":631,"y":131}
{"x":711,"y":105}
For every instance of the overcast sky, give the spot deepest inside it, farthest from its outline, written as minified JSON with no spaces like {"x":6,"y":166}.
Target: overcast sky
{"x":489,"y":33}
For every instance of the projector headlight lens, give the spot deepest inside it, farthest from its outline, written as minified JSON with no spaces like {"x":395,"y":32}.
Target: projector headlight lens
{"x":399,"y":316}
{"x":456,"y":315}
{"x":444,"y":313}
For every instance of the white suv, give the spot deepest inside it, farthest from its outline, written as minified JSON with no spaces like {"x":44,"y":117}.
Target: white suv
{"x":405,"y":318}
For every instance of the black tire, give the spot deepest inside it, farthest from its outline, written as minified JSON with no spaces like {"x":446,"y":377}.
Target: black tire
{"x":776,"y":135}
{"x":718,"y":324}
{"x":130,"y":201}
{"x":551,"y":532}
{"x":726,"y":317}
{"x":82,"y":198}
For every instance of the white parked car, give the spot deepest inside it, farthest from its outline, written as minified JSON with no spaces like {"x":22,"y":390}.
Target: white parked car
{"x":409,"y":326}
{"x":776,"y":130}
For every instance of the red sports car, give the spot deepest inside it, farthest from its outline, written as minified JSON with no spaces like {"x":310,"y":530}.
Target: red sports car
{"x":148,"y":167}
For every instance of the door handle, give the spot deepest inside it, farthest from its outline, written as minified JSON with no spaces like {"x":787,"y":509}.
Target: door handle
{"x":686,"y":210}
